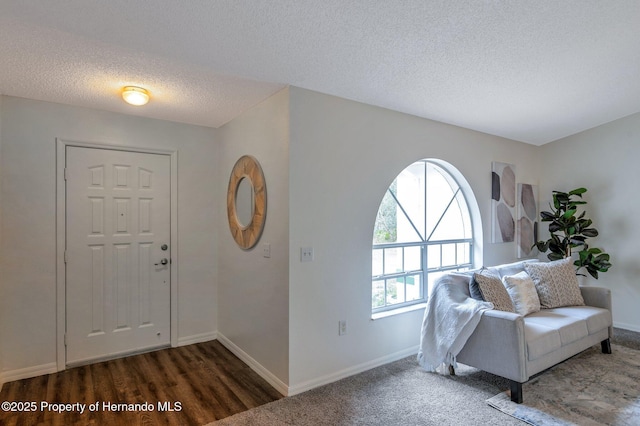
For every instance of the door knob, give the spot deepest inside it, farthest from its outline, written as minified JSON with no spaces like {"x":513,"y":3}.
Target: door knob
{"x":164,"y":247}
{"x":162,"y":262}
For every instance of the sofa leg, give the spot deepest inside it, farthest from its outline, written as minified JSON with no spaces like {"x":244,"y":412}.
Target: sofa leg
{"x":606,"y":346}
{"x":516,"y":391}
{"x":452,"y":371}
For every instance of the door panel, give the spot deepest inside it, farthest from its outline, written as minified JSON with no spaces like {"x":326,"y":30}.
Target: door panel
{"x":118,"y":219}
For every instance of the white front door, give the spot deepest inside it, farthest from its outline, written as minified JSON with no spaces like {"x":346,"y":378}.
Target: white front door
{"x":118,"y":252}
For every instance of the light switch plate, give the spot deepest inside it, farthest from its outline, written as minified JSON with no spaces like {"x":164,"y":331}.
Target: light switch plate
{"x":306,"y":254}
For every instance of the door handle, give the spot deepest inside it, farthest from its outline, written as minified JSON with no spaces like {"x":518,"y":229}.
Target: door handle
{"x":162,"y":262}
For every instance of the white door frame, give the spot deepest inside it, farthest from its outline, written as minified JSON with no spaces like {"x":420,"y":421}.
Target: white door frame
{"x":61,"y":232}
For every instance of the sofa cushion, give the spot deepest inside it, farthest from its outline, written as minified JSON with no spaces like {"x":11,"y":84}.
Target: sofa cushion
{"x":492,"y":290}
{"x":522,"y":292}
{"x":570,"y":328}
{"x":540,"y":339}
{"x":596,"y":318}
{"x":556,"y":283}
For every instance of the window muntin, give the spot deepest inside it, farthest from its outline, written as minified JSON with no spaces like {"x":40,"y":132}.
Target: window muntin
{"x":423,"y":229}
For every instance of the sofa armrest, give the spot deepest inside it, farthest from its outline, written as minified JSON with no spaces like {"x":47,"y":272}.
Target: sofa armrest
{"x":497,"y":346}
{"x":599,"y":297}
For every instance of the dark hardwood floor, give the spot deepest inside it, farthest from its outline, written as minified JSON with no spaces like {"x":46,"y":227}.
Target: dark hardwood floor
{"x":200,"y":383}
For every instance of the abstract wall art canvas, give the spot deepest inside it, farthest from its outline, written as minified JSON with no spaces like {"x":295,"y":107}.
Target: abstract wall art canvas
{"x":503,"y":202}
{"x":527,"y":224}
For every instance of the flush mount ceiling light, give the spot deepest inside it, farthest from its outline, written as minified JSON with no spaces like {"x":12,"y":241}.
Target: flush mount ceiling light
{"x":135,"y":95}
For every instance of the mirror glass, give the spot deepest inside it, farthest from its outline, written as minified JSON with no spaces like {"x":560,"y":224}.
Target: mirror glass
{"x":244,"y":202}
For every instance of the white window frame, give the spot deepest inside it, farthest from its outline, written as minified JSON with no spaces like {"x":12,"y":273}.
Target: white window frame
{"x":474,"y":246}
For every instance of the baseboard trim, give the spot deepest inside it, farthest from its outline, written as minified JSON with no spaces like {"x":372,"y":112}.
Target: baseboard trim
{"x":274,"y":381}
{"x":626,"y":326}
{"x":197,"y":338}
{"x":28,"y":372}
{"x":347,"y":372}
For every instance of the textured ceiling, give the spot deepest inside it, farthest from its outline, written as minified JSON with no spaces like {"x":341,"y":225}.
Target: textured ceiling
{"x":532,"y":71}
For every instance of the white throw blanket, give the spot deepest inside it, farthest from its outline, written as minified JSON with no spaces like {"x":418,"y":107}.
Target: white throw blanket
{"x":449,"y":319}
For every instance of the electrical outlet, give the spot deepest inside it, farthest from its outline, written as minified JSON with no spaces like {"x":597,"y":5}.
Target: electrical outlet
{"x":306,"y":254}
{"x":266,"y":250}
{"x":342,"y":327}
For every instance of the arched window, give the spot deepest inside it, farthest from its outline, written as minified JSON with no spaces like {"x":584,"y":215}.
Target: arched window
{"x":423,"y":229}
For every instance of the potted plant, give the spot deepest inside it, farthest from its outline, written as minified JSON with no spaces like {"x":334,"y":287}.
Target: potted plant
{"x":569,"y":232}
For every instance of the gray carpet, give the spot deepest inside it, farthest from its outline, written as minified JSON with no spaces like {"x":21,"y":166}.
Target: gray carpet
{"x":399,"y":393}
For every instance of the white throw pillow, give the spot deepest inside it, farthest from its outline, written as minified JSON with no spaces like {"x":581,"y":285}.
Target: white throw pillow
{"x":523,"y":293}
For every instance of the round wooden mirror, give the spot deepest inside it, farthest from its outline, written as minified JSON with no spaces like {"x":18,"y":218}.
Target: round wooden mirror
{"x":246,"y":202}
{"x":245,"y":205}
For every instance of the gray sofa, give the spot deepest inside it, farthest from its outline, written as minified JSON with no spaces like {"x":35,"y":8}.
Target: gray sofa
{"x":517,"y":347}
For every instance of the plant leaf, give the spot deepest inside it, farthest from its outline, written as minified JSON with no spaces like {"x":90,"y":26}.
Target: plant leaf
{"x":555,"y":256}
{"x":578,"y":191}
{"x":546,"y":216}
{"x":543,"y":246}
{"x":555,"y":226}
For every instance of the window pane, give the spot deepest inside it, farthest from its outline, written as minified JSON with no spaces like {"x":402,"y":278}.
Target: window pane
{"x":406,"y":230}
{"x":385,"y":230}
{"x":395,"y":289}
{"x":410,"y":192}
{"x":451,"y":226}
{"x":463,"y":253}
{"x":413,"y":258}
{"x":393,"y":260}
{"x":439,"y":195}
{"x":465,"y":216}
{"x":376,"y":263}
{"x":455,"y":223}
{"x":448,"y":254}
{"x":413,"y":288}
{"x":377,"y":298}
{"x":433,"y":256}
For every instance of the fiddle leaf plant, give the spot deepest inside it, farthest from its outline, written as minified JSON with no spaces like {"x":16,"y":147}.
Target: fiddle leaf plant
{"x":569,"y":231}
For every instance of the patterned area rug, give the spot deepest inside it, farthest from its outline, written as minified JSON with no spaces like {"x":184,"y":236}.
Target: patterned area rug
{"x":591,"y":388}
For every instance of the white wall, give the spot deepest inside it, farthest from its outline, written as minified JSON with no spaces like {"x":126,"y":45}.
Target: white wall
{"x":605,"y":161}
{"x":343,"y":156}
{"x":27,"y":248}
{"x":253,"y":290}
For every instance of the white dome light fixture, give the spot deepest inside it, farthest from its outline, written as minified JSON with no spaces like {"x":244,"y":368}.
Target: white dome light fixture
{"x":135,"y":95}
